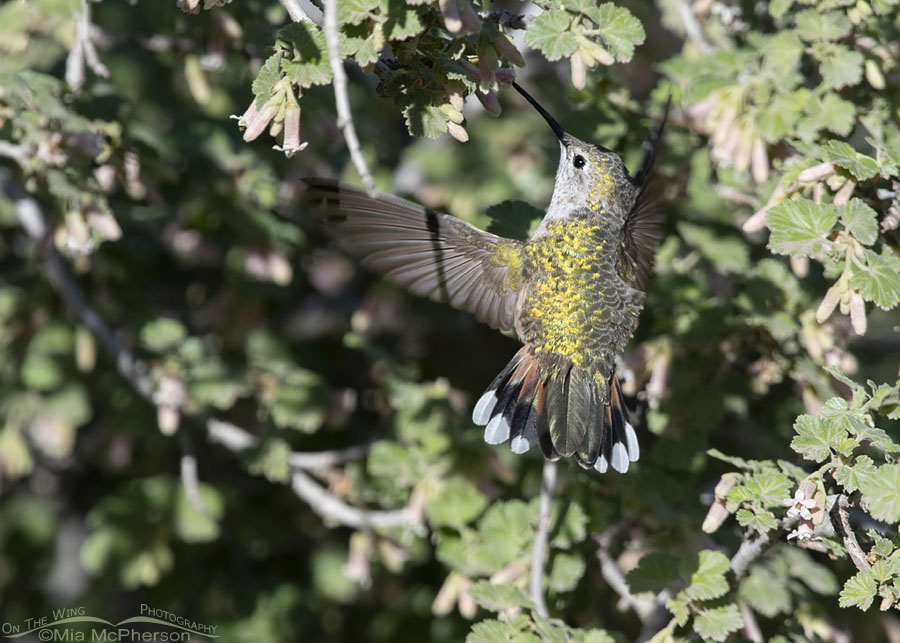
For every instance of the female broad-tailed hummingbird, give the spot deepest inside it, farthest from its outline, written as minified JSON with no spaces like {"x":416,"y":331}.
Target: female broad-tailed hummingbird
{"x":572,"y":293}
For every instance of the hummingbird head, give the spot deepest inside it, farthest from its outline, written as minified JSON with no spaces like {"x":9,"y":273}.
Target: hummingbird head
{"x":588,"y":176}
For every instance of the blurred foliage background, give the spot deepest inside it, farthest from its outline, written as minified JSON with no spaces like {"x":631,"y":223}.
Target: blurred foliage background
{"x":207,"y":407}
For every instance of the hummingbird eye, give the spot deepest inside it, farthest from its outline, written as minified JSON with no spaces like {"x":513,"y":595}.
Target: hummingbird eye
{"x":578,"y":161}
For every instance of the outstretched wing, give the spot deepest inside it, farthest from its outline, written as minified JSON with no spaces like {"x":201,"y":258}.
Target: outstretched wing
{"x":643,"y":226}
{"x":433,"y":255}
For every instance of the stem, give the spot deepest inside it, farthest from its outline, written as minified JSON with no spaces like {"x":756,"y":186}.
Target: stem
{"x":548,"y":482}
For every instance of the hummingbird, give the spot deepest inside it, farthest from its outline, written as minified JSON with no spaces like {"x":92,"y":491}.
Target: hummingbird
{"x":572,"y":293}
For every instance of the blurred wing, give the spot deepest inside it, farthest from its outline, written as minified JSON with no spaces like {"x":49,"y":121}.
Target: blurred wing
{"x":643,"y":226}
{"x":433,"y":255}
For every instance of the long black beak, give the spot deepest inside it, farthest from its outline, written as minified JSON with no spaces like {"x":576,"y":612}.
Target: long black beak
{"x":556,"y":127}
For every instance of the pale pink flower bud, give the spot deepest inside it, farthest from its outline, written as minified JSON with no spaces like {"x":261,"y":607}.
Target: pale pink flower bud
{"x":843,"y":195}
{"x":816,"y":173}
{"x":452,"y":19}
{"x":829,"y":302}
{"x":858,"y":313}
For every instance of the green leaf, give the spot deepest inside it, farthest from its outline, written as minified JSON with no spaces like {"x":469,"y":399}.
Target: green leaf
{"x":858,"y":591}
{"x":766,"y":592}
{"x":708,"y":580}
{"x":816,"y":437}
{"x":758,"y":519}
{"x":551,"y":33}
{"x":497,"y":598}
{"x":655,"y":572}
{"x":879,"y":280}
{"x":716,"y":624}
{"x":306,"y":62}
{"x":881,"y":492}
{"x":198,"y":524}
{"x":841,"y":67}
{"x":269,"y":74}
{"x":490,"y":631}
{"x":425,"y":119}
{"x":458,"y":503}
{"x":843,"y":155}
{"x":860,"y":220}
{"x":800,"y":227}
{"x":778,"y":8}
{"x":850,"y":477}
{"x":815,"y":26}
{"x":566,"y":571}
{"x":355,"y":12}
{"x":568,"y":529}
{"x":620,"y":30}
{"x":163,"y":334}
{"x":728,"y":254}
{"x":403,"y":22}
{"x":680,"y":609}
{"x":768,"y":488}
{"x":507,"y":529}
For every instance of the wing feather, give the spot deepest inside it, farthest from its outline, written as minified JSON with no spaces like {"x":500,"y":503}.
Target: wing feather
{"x":434,"y":255}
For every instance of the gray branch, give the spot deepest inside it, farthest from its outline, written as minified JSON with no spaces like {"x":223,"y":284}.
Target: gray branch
{"x":749,"y":551}
{"x":691,"y":26}
{"x":330,"y":507}
{"x":548,"y":483}
{"x":840,"y":519}
{"x":342,"y":102}
{"x":295,"y":11}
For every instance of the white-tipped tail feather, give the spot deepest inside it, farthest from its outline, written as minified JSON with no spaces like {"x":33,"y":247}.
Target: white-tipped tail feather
{"x":619,"y":458}
{"x":497,"y":430}
{"x":481,"y":415}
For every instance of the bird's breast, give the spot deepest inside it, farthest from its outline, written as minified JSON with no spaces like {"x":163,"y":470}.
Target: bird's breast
{"x":575,"y":300}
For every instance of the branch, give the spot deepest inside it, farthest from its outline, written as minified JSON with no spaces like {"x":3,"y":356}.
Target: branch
{"x":749,"y":551}
{"x":691,"y":26}
{"x":330,"y":507}
{"x":652,"y":612}
{"x":295,"y":11}
{"x":342,"y":103}
{"x":191,"y":482}
{"x":137,"y":373}
{"x":751,"y":627}
{"x":840,"y":519}
{"x":548,"y":482}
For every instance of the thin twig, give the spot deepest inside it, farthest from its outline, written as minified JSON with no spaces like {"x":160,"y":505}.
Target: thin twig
{"x":342,"y":102}
{"x":548,"y":483}
{"x":840,"y":519}
{"x":652,"y":612}
{"x":751,"y":627}
{"x":137,"y":373}
{"x":323,"y":459}
{"x":328,"y":506}
{"x":614,"y":577}
{"x":190,"y":480}
{"x":691,"y":26}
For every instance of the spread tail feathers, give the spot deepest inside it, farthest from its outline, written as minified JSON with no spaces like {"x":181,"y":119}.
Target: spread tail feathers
{"x":543,"y":399}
